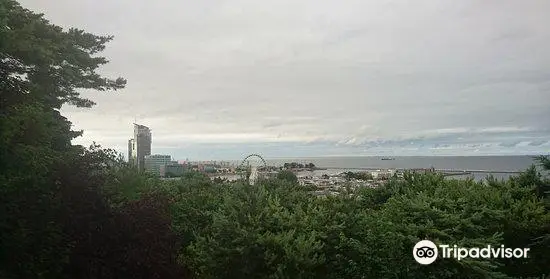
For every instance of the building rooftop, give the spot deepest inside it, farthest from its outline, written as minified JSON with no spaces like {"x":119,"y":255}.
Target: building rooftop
{"x":139,"y":126}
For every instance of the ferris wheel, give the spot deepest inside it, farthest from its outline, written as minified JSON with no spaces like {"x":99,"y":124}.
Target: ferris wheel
{"x":250,"y":167}
{"x":254,"y":160}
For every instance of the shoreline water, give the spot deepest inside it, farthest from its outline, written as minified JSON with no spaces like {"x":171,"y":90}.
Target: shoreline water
{"x":493,"y":163}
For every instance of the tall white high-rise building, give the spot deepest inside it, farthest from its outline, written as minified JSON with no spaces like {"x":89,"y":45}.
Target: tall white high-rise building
{"x":139,"y":146}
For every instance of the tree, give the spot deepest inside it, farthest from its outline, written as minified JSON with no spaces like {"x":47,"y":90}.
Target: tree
{"x":544,"y":161}
{"x":42,"y":67}
{"x":287,"y":176}
{"x":358,"y":175}
{"x":276,"y":229}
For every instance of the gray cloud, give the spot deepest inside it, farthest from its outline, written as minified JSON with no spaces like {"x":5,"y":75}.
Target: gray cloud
{"x":325,"y":77}
{"x":539,"y":142}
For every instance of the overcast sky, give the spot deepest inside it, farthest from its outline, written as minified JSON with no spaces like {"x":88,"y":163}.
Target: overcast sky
{"x":218,"y":79}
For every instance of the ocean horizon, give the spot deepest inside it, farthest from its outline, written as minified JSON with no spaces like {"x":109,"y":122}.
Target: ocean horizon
{"x":504,"y":163}
{"x":500,"y":167}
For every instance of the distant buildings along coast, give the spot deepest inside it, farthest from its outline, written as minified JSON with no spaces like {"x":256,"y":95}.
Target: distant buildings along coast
{"x":139,"y":155}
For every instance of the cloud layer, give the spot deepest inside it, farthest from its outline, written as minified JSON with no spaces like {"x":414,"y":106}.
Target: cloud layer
{"x":219,"y":78}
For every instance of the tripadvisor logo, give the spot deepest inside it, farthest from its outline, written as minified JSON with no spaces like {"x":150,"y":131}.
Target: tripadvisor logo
{"x":425,"y":252}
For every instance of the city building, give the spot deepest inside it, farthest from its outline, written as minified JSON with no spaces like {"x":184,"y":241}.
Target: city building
{"x":139,"y":146}
{"x":172,"y":169}
{"x":209,"y":168}
{"x":154,"y":162}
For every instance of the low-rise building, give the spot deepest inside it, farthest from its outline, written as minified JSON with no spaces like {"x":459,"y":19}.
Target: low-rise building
{"x":209,"y":168}
{"x":172,"y":169}
{"x":154,"y":162}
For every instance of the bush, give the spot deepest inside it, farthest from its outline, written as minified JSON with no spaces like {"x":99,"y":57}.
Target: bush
{"x":277,"y":229}
{"x":287,"y":175}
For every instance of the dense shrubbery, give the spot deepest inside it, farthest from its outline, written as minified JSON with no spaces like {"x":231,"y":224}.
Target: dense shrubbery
{"x":277,"y":230}
{"x":358,"y":175}
{"x":70,"y":212}
{"x":287,"y":176}
{"x":117,"y":223}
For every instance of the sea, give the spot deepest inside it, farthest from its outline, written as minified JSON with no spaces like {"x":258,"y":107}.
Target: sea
{"x":496,"y":163}
{"x":499,"y":167}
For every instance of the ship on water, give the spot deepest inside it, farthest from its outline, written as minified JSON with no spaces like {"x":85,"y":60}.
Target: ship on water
{"x":388,"y":159}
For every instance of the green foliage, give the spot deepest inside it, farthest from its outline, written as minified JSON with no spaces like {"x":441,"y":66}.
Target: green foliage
{"x":55,"y":62}
{"x":55,"y":217}
{"x":277,"y":229}
{"x":544,"y":161}
{"x":287,"y":176}
{"x":358,"y":175}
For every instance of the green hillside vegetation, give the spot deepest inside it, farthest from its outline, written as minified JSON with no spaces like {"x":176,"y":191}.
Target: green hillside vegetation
{"x":358,"y":175}
{"x":295,"y":165}
{"x":72,"y":212}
